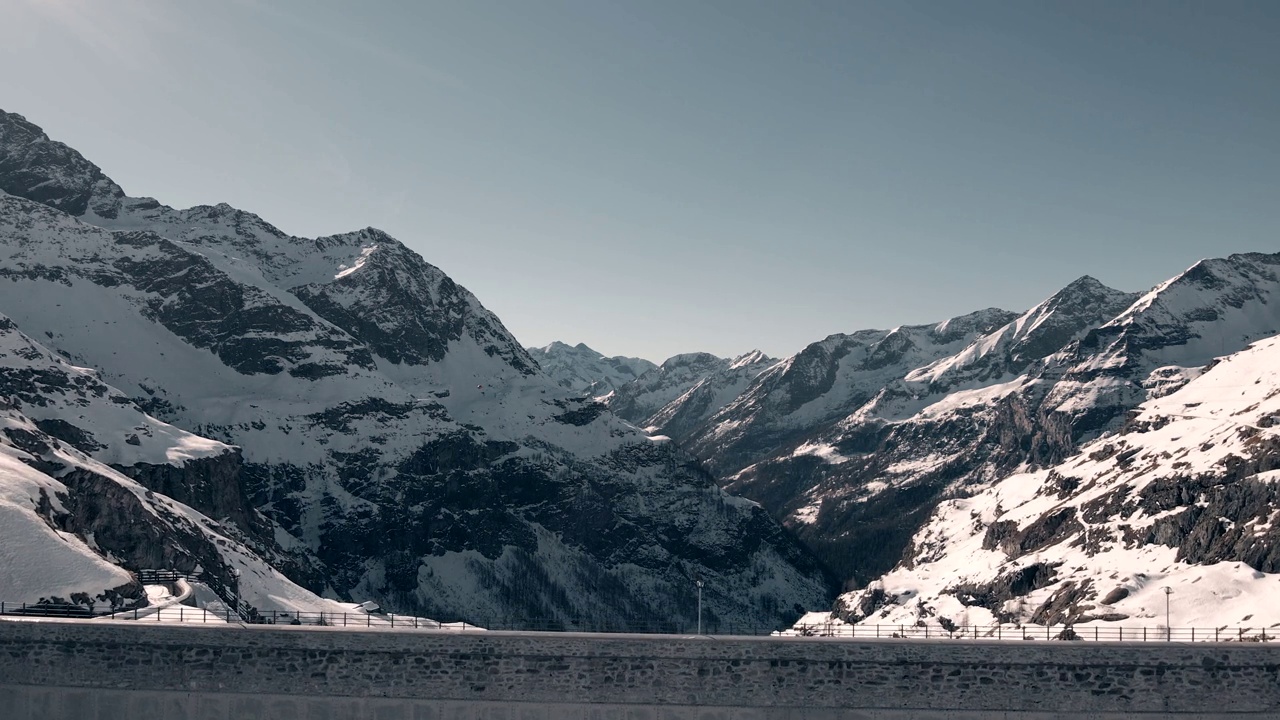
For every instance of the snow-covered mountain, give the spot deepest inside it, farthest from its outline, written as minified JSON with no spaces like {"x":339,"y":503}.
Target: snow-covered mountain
{"x":685,"y":390}
{"x":586,"y":371}
{"x":1024,"y":394}
{"x":854,"y":441}
{"x":1216,"y":307}
{"x":88,"y":482}
{"x":1185,"y":496}
{"x":681,"y":417}
{"x":397,"y":438}
{"x":824,"y":383}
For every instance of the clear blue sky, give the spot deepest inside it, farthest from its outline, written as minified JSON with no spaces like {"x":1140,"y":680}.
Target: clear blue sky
{"x":662,"y":176}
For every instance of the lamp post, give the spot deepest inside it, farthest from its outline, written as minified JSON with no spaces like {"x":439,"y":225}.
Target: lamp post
{"x":1168,"y":629}
{"x":699,"y":584}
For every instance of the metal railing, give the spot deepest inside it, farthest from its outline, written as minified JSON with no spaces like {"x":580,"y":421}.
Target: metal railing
{"x":228,"y":596}
{"x":390,"y":621}
{"x":1069,"y":633}
{"x":235,"y":608}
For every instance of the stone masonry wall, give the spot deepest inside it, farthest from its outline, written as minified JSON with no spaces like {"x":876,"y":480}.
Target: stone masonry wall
{"x":1049,"y":679}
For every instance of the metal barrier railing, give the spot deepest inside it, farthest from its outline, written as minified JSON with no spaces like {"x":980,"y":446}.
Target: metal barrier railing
{"x":228,"y":596}
{"x":235,"y":606}
{"x":1070,"y":633}
{"x":391,"y":621}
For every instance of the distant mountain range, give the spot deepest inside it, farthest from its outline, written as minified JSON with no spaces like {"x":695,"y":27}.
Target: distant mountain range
{"x":861,"y":443}
{"x":335,"y":419}
{"x":585,"y":371}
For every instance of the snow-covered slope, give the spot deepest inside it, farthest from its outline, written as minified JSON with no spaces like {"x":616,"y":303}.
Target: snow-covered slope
{"x":82,"y":474}
{"x":394,"y":432}
{"x":1214,"y":308}
{"x":1009,"y":351}
{"x":684,"y":415}
{"x":638,"y":400}
{"x":1186,"y":496}
{"x":824,"y":383}
{"x":586,"y":371}
{"x":1025,"y":394}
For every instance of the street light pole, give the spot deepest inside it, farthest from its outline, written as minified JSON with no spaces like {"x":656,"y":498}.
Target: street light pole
{"x":699,"y":607}
{"x":1168,"y":629}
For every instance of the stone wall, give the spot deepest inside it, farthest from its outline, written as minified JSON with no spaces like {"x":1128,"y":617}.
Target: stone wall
{"x":88,"y":669}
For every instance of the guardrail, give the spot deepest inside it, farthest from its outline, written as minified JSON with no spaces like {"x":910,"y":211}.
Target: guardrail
{"x":1070,"y":633}
{"x":228,"y":596}
{"x":235,"y":607}
{"x":390,"y":621}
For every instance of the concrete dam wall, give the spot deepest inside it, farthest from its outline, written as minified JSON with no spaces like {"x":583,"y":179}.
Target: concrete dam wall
{"x":92,"y":669}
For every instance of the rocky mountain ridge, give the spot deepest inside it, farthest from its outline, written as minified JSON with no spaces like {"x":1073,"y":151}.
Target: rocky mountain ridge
{"x":854,"y":441}
{"x":585,"y":371}
{"x":687,"y":388}
{"x":1184,"y":497}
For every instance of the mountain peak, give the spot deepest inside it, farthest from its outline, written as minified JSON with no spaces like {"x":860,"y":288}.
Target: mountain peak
{"x":983,"y":320}
{"x":586,"y":371}
{"x":693,"y":358}
{"x":1086,"y":282}
{"x":750,"y":358}
{"x":49,"y":172}
{"x":1087,"y":285}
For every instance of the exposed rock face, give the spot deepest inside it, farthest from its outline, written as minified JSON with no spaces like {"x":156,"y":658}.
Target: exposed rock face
{"x":379,"y":302}
{"x":397,"y":440}
{"x":49,"y":172}
{"x":211,"y":485}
